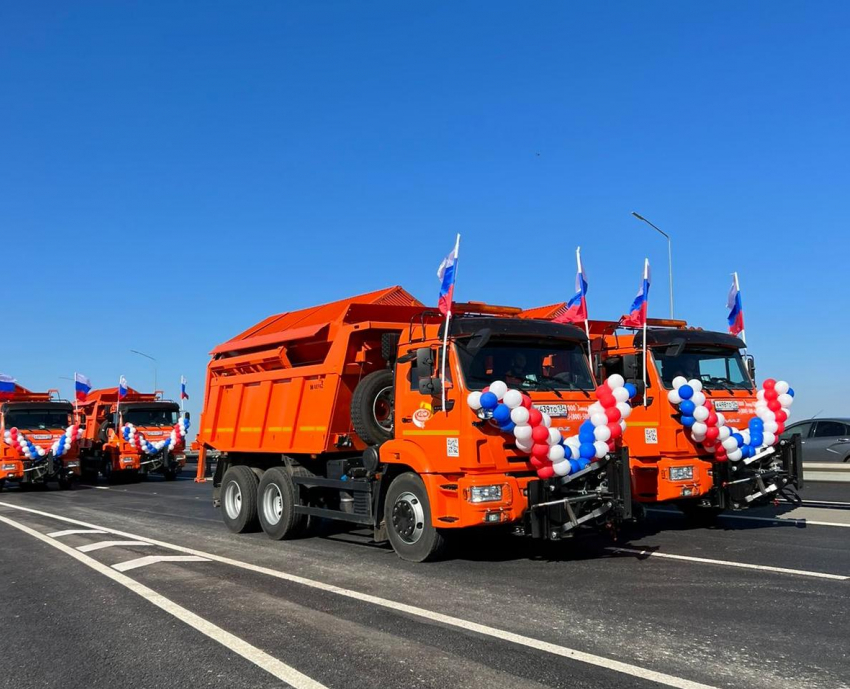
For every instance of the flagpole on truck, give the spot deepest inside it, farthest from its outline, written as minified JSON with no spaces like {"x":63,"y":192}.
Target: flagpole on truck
{"x":586,"y":321}
{"x":448,"y":320}
{"x":738,"y":292}
{"x":646,"y":296}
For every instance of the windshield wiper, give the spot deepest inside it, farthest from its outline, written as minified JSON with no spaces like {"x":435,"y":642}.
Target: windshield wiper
{"x":719,"y":383}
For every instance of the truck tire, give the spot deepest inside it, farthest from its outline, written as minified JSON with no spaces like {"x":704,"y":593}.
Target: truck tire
{"x":372,"y":407}
{"x":407,"y":515}
{"x":2,"y":484}
{"x":277,"y":497}
{"x":239,"y":499}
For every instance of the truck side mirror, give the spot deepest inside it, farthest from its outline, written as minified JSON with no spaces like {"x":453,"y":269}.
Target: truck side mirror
{"x":430,"y":386}
{"x":424,"y":362}
{"x":630,"y":367}
{"x":751,"y":366}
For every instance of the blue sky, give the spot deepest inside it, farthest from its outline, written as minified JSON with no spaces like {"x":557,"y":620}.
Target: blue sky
{"x":172,"y":172}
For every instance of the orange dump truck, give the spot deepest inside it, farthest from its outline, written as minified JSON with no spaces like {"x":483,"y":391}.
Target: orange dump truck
{"x":667,"y":464}
{"x":110,"y":449}
{"x":336,"y":412}
{"x":38,"y":439}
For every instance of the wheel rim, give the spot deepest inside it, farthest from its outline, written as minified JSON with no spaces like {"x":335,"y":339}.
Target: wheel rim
{"x":382,"y":409}
{"x":233,"y":500}
{"x":272,"y":504}
{"x":408,"y":518}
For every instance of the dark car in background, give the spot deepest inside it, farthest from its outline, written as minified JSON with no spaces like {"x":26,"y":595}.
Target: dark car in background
{"x":824,"y":440}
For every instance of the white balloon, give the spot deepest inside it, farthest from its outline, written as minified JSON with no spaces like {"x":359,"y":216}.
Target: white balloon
{"x":623,"y":425}
{"x":785,"y":400}
{"x":781,"y":387}
{"x":697,"y":437}
{"x":769,"y":438}
{"x":721,"y":420}
{"x":768,"y":415}
{"x":701,"y":413}
{"x":771,"y":426}
{"x":599,"y":420}
{"x":522,"y":431}
{"x":730,"y":444}
{"x":625,"y":409}
{"x":621,"y":395}
{"x":760,"y":395}
{"x":679,"y":381}
{"x":761,"y":404}
{"x":673,"y":397}
{"x":602,"y":433}
{"x":712,"y":449}
{"x":561,"y":468}
{"x":498,"y":388}
{"x":547,"y":420}
{"x":513,"y":399}
{"x":519,"y":416}
{"x":554,"y":436}
{"x":695,"y":384}
{"x":615,"y":381}
{"x":698,"y":399}
{"x":573,"y":441}
{"x":556,"y":453}
{"x":595,"y":408}
{"x":524,"y":445}
{"x":699,"y":428}
{"x":473,"y":399}
{"x":735,"y":455}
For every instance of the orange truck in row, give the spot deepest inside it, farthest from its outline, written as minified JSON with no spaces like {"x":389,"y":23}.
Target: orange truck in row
{"x":107,"y":451}
{"x":38,"y":439}
{"x":666,"y":465}
{"x":336,"y":412}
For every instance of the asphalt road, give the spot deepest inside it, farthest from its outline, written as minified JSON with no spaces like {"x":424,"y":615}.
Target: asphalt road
{"x":759,"y":600}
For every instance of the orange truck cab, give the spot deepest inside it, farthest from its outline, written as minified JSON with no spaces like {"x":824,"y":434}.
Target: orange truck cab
{"x":38,"y":439}
{"x":667,"y":465}
{"x":336,"y":412}
{"x":108,"y":447}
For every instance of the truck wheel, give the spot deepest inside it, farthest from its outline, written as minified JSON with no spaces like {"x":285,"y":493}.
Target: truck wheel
{"x":407,"y":514}
{"x":372,"y":407}
{"x":277,"y":497}
{"x":239,"y":499}
{"x":170,"y":474}
{"x":2,"y":484}
{"x":106,"y":470}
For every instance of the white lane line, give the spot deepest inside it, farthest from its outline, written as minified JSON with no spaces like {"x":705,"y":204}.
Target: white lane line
{"x":102,"y":487}
{"x":727,"y":563}
{"x":233,"y":643}
{"x":801,"y":521}
{"x":100,"y":545}
{"x":154,"y":559}
{"x":71,"y":532}
{"x":459,"y":623}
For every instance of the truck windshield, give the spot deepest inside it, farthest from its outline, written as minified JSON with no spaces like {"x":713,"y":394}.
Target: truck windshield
{"x":527,"y":365}
{"x":149,"y":417}
{"x":717,"y":368}
{"x":36,"y":419}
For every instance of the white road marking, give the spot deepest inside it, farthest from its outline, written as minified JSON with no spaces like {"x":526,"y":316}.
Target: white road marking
{"x":459,"y":623}
{"x":154,"y":559}
{"x":102,"y":487}
{"x":728,"y":563}
{"x":71,"y":532}
{"x":801,"y":521}
{"x":100,"y":545}
{"x":233,"y":643}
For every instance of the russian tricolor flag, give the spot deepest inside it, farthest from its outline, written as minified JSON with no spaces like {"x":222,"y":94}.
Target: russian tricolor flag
{"x":577,"y":306}
{"x":736,"y":308}
{"x":122,"y":388}
{"x":7,"y":385}
{"x":447,"y":272}
{"x":183,"y":394}
{"x":637,"y":312}
{"x":82,"y":386}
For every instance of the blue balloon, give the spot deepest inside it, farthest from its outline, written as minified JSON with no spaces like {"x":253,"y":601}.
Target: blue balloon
{"x":686,"y":392}
{"x":791,"y":391}
{"x":756,"y":439}
{"x":587,"y":451}
{"x":688,"y":421}
{"x":489,"y":401}
{"x":687,"y":408}
{"x":631,"y":389}
{"x":738,"y":439}
{"x":574,"y":466}
{"x":583,"y":463}
{"x":585,"y":432}
{"x":756,"y":424}
{"x":502,"y":414}
{"x":508,"y":427}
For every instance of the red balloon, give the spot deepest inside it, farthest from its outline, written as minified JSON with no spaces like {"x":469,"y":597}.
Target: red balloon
{"x":612,"y":445}
{"x":485,"y":389}
{"x":534,"y":417}
{"x":546,"y":472}
{"x":616,"y":430}
{"x":774,"y":405}
{"x":537,"y":463}
{"x":712,"y":418}
{"x":540,"y":434}
{"x":613,"y":414}
{"x":781,"y":429}
{"x":709,"y":443}
{"x":781,"y":416}
{"x":526,"y":401}
{"x":711,"y":434}
{"x":770,"y":395}
{"x":540,"y":450}
{"x":769,"y":384}
{"x":608,"y":401}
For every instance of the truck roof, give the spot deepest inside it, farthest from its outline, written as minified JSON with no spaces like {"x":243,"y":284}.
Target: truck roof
{"x":110,"y":396}
{"x":21,"y":394}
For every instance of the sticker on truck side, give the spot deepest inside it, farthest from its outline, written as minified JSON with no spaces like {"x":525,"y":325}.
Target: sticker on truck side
{"x":650,"y":436}
{"x":452,"y":449}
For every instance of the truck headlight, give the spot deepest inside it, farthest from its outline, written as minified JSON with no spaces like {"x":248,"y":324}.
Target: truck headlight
{"x":485,"y":493}
{"x":681,"y":473}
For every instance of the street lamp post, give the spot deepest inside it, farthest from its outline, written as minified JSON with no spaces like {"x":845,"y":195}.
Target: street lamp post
{"x":669,"y":255}
{"x":148,"y":356}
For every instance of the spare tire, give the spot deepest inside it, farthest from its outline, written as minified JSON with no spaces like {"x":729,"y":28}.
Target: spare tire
{"x":373,"y":407}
